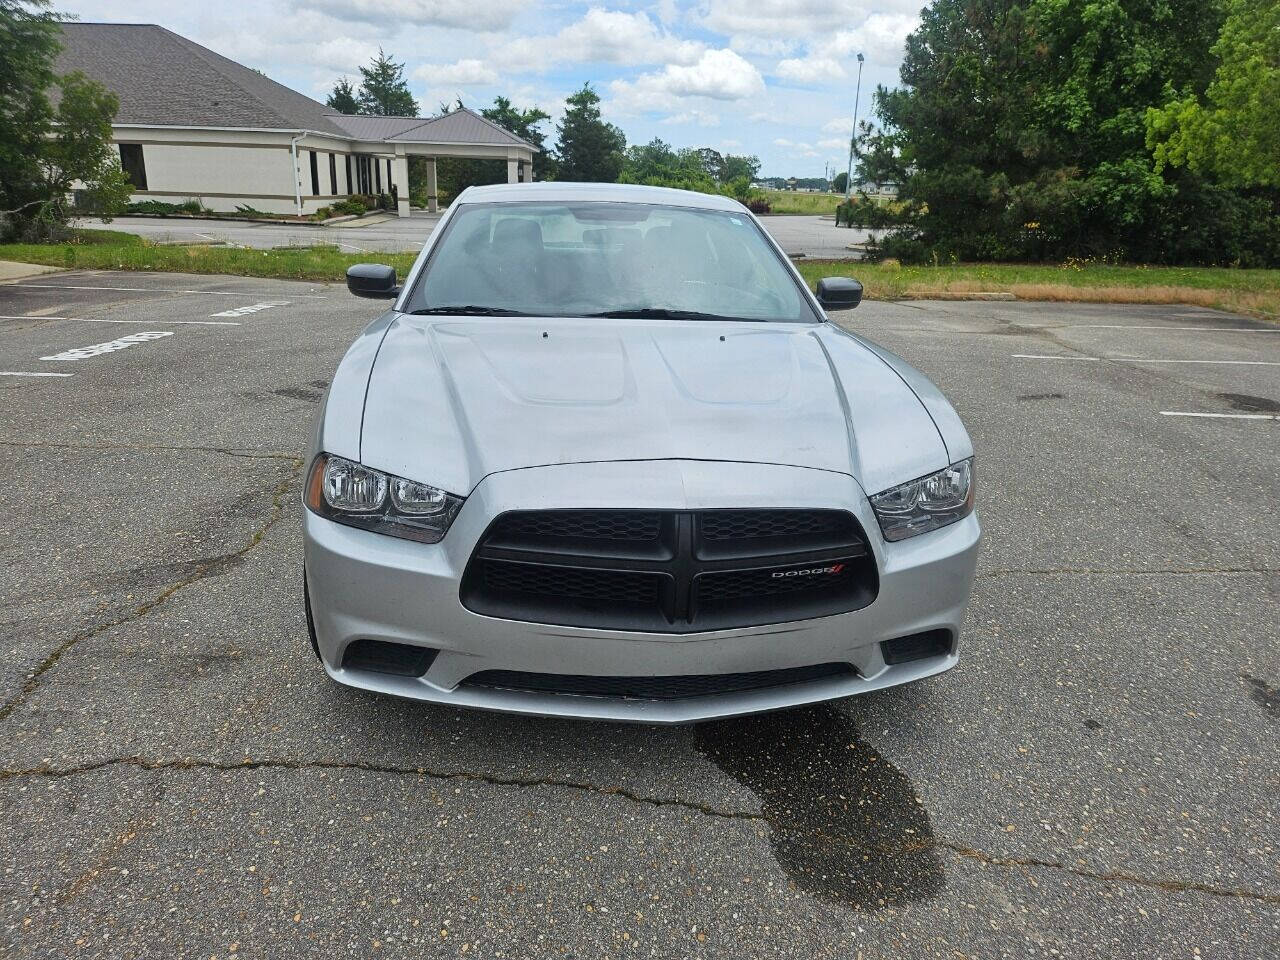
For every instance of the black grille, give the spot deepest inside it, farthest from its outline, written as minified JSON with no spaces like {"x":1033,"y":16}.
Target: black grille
{"x":580,"y":525}
{"x":539,"y":579}
{"x":670,"y":571}
{"x":655,"y":688}
{"x":739,"y":584}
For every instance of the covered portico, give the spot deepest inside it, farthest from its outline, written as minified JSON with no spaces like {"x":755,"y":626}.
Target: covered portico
{"x":461,"y":133}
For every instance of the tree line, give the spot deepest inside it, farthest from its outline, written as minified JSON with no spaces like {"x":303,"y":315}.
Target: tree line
{"x":1145,"y":131}
{"x":586,"y":149}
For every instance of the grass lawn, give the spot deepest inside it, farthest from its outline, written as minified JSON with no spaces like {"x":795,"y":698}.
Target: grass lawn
{"x":1255,"y":292}
{"x":811,"y":204}
{"x":112,"y":250}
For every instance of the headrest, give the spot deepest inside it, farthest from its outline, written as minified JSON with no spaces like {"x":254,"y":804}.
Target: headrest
{"x":517,"y":235}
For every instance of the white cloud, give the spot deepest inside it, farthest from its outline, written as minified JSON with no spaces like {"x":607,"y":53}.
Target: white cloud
{"x":810,"y":70}
{"x":880,"y":34}
{"x":834,"y":143}
{"x":463,"y":14}
{"x":795,"y":18}
{"x":763,"y":46}
{"x":463,"y":73}
{"x":718,"y":75}
{"x":782,"y":142}
{"x":694,"y":117}
{"x":602,"y":36}
{"x":342,"y":54}
{"x":838,"y":125}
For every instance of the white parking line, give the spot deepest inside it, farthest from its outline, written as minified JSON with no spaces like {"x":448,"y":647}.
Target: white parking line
{"x":94,"y":350}
{"x":1238,"y":363}
{"x":251,"y":308}
{"x":207,"y":323}
{"x":1158,"y":326}
{"x":352,"y":246}
{"x":1222,"y":416}
{"x":212,"y":293}
{"x":24,"y":373}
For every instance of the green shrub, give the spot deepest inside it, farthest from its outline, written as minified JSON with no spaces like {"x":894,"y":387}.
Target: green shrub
{"x":352,"y":206}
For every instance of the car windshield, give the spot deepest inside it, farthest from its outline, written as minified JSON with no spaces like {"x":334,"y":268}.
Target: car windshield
{"x":607,"y":259}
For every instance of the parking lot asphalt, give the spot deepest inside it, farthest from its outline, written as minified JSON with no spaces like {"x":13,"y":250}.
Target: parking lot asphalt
{"x":801,"y":236}
{"x":1098,"y":778}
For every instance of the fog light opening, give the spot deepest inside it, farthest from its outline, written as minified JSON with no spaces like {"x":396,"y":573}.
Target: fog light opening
{"x":384,"y":656}
{"x":916,"y":646}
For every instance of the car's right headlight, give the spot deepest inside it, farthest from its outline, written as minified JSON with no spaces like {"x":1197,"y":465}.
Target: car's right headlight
{"x":351,"y":493}
{"x":921,"y":505}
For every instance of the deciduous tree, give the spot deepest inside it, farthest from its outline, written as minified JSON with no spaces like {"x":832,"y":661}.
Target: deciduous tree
{"x":45,"y":150}
{"x":1233,"y":131}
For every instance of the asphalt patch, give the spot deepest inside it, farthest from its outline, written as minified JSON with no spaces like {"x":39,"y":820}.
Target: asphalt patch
{"x":846,"y":824}
{"x":1250,"y":404}
{"x":1265,"y":695}
{"x":1042,"y":396}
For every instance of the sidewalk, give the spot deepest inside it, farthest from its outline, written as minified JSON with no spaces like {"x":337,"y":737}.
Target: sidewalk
{"x":20,"y":271}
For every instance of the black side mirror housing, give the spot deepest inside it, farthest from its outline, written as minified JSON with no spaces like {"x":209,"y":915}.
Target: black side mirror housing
{"x":373,"y":280}
{"x":839,"y":293}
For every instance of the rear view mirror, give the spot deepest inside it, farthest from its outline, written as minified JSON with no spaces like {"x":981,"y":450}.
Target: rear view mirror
{"x":373,"y":280}
{"x":839,"y":293}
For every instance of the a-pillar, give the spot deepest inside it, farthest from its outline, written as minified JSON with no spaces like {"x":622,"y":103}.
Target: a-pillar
{"x":513,"y":170}
{"x":400,"y":177}
{"x":432,"y":198}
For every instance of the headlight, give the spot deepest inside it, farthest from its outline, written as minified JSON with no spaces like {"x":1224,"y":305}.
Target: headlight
{"x":351,"y":493}
{"x":922,"y":505}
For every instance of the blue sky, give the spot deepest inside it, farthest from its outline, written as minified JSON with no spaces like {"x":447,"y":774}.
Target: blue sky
{"x":769,"y":77}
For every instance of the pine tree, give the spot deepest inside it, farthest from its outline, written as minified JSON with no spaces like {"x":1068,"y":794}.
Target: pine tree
{"x":383,"y":90}
{"x":589,"y":149}
{"x":343,"y":98}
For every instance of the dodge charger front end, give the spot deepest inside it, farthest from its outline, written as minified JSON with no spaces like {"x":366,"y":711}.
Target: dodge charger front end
{"x":606,"y":457}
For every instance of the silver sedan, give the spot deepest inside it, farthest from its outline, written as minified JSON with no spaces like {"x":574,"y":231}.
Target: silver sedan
{"x":607,"y":457}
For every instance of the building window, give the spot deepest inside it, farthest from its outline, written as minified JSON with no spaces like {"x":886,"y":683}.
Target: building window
{"x":315,"y":175}
{"x":135,"y":170}
{"x":347,"y":163}
{"x":333,"y":174}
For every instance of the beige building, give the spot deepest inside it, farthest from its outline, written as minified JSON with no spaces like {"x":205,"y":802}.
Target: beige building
{"x":194,"y":125}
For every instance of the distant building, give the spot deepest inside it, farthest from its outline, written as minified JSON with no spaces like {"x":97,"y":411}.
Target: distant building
{"x":193,"y":124}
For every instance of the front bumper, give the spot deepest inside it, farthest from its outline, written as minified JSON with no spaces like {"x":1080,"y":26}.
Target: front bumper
{"x":369,"y":586}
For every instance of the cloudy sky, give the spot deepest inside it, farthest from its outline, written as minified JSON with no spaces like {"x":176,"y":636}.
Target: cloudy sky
{"x":769,"y":77}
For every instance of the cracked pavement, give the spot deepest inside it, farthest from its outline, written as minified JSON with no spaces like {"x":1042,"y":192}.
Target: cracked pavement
{"x":1098,"y":778}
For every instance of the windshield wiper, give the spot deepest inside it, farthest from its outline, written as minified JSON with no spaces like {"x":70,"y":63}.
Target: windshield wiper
{"x":471,"y":310}
{"x":660,"y":313}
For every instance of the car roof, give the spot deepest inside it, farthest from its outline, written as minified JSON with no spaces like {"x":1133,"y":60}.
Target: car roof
{"x":556,"y":192}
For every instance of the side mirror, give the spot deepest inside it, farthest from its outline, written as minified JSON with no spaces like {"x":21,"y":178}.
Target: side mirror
{"x":839,"y":293}
{"x":372,"y":280}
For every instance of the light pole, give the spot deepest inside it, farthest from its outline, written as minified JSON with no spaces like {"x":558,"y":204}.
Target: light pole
{"x":853,"y":138}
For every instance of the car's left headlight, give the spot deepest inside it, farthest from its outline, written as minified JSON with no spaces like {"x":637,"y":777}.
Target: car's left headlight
{"x":351,"y":493}
{"x":919,"y":506}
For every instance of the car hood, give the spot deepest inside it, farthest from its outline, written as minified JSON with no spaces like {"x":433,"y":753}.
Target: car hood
{"x":451,"y":400}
